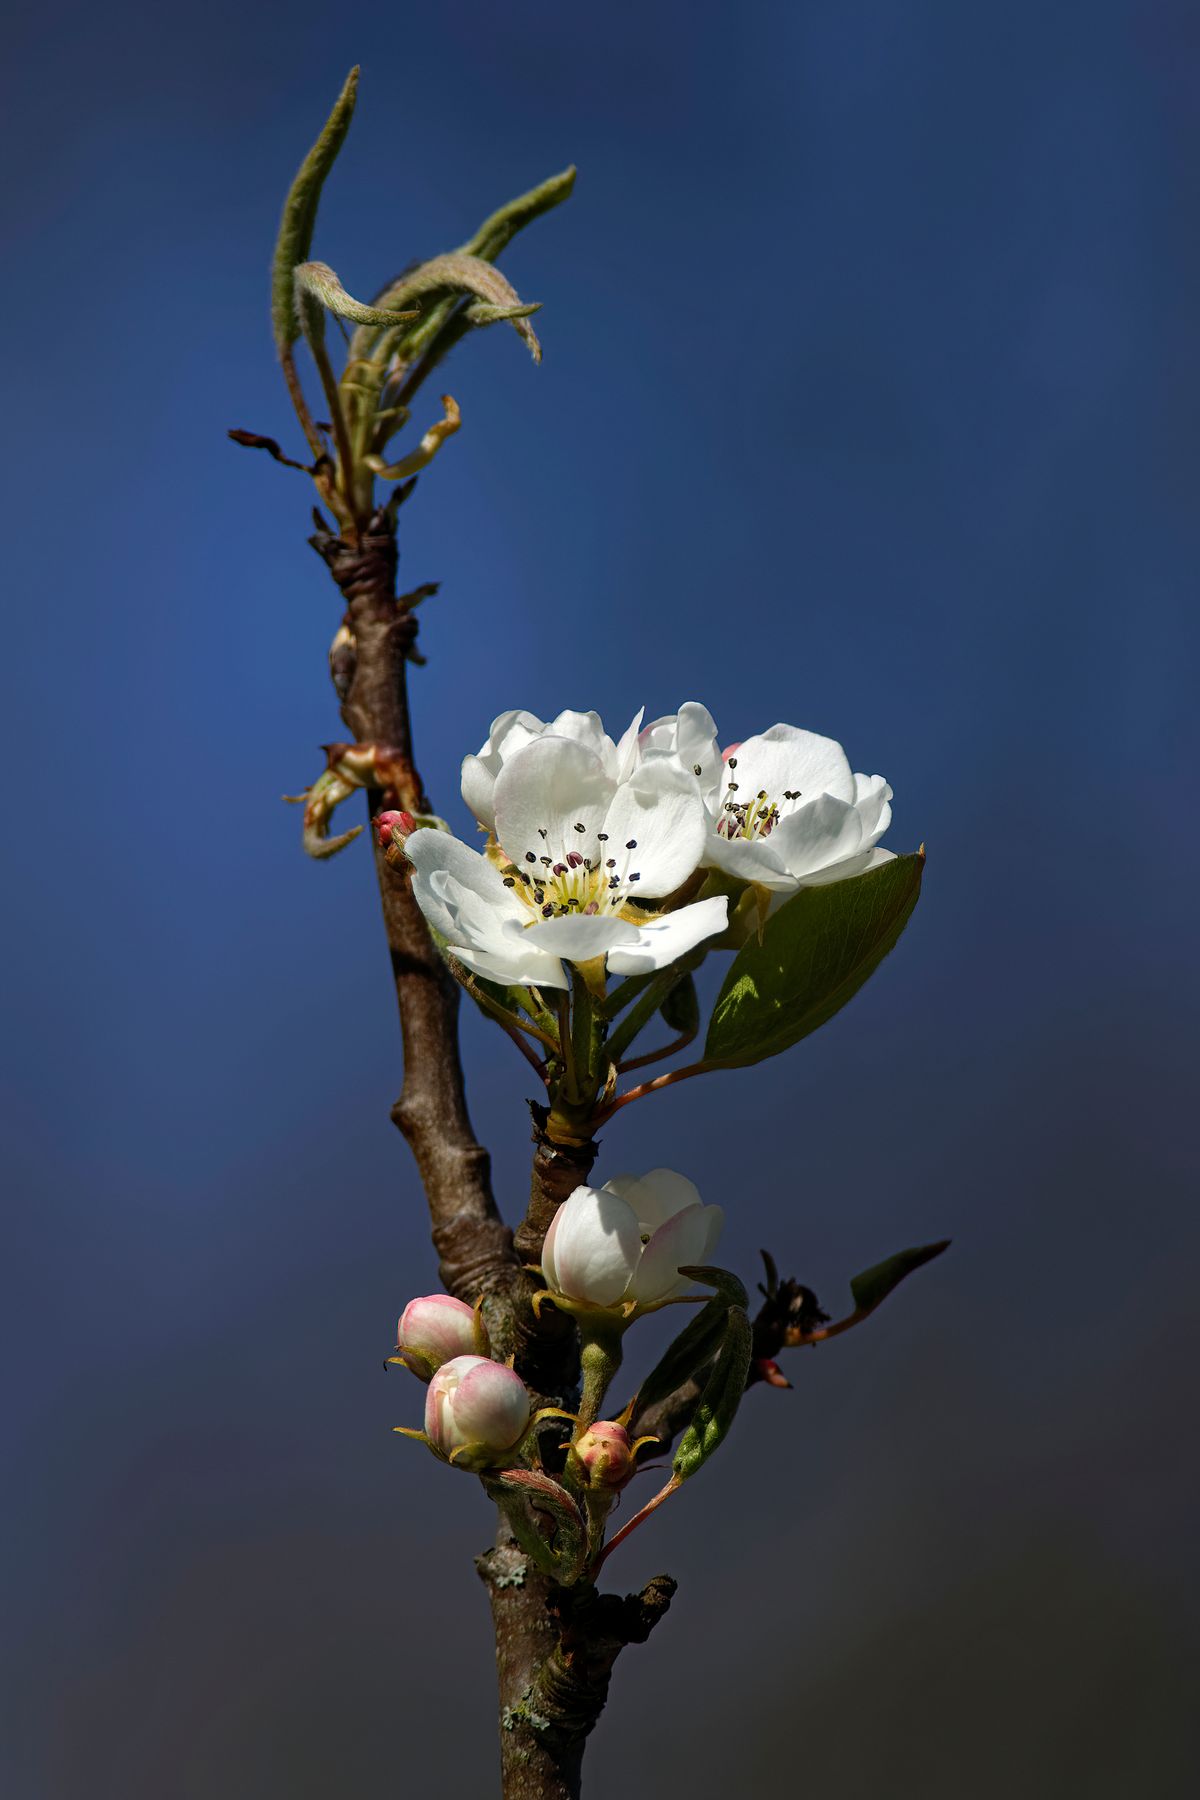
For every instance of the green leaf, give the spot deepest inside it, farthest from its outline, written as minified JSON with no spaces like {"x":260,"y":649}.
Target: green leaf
{"x":874,"y":1285}
{"x":443,"y":320}
{"x":681,"y":1008}
{"x":699,"y":1340}
{"x":813,"y":956}
{"x":730,"y":1291}
{"x":720,"y":1399}
{"x":454,"y":275}
{"x":496,"y":231}
{"x":562,"y":1557}
{"x":318,"y":280}
{"x":300,"y":213}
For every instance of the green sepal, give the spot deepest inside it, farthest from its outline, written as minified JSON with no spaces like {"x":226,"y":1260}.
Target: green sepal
{"x":300,"y":214}
{"x":721,"y":1396}
{"x":564,"y":1555}
{"x":872,"y":1287}
{"x":812,"y":957}
{"x":699,"y":1340}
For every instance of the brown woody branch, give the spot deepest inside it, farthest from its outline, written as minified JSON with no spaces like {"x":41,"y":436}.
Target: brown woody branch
{"x":474,"y":1246}
{"x":554,"y":1653}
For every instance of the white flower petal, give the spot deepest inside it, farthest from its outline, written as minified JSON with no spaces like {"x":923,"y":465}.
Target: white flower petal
{"x":524,"y":965}
{"x":432,"y":853}
{"x":485,"y":913}
{"x":585,"y":728}
{"x":853,"y":865}
{"x":544,"y":792}
{"x":509,"y":733}
{"x":580,"y":938}
{"x":658,"y":812}
{"x":596,"y":1246}
{"x":714,"y":1222}
{"x":628,"y":754}
{"x":490,"y":1404}
{"x":749,"y":859}
{"x":683,"y":1239}
{"x":688,"y":737}
{"x":656,"y":1196}
{"x":549,"y":1268}
{"x":786,"y":759}
{"x":826,"y":830}
{"x":871,"y":801}
{"x":662,"y":941}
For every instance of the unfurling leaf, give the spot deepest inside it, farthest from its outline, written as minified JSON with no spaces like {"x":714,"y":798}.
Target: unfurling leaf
{"x":456,"y":274}
{"x":300,"y":214}
{"x":720,"y":1398}
{"x":699,"y":1340}
{"x":317,"y":284}
{"x":496,"y":231}
{"x":730,"y":1290}
{"x":562,"y":1555}
{"x":874,"y":1285}
{"x":814,"y":955}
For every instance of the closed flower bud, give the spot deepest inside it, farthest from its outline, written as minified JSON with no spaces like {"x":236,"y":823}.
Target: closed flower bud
{"x":433,"y":1330}
{"x":604,"y":1454}
{"x":394,"y":827}
{"x":475,"y":1411}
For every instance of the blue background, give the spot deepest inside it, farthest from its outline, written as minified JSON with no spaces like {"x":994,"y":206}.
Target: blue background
{"x":870,"y":402}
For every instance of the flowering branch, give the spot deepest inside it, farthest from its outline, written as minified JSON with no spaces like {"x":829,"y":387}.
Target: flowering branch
{"x":610,"y":870}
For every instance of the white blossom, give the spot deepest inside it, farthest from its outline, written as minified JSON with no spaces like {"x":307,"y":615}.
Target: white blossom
{"x":626,"y":1241}
{"x":513,"y":730}
{"x":577,"y":844}
{"x":784,"y":808}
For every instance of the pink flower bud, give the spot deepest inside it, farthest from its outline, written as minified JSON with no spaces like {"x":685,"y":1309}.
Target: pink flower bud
{"x":431,"y":1331}
{"x":605,"y":1453}
{"x":476,"y":1407}
{"x":394,"y":827}
{"x":730,"y":750}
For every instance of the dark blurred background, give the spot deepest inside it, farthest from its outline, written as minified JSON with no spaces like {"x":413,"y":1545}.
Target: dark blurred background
{"x":870,"y":402}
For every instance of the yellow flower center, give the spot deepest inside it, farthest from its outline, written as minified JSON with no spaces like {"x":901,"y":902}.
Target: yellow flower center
{"x":753,"y":818}
{"x":585,"y":879}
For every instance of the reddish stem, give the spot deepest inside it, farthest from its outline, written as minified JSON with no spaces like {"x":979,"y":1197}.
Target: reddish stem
{"x":673,"y":1486}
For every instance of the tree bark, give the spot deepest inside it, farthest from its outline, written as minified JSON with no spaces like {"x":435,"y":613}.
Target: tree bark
{"x":554,"y":1649}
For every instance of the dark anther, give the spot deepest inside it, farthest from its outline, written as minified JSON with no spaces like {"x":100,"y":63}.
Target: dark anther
{"x":632,"y":844}
{"x":578,"y":827}
{"x":529,"y":856}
